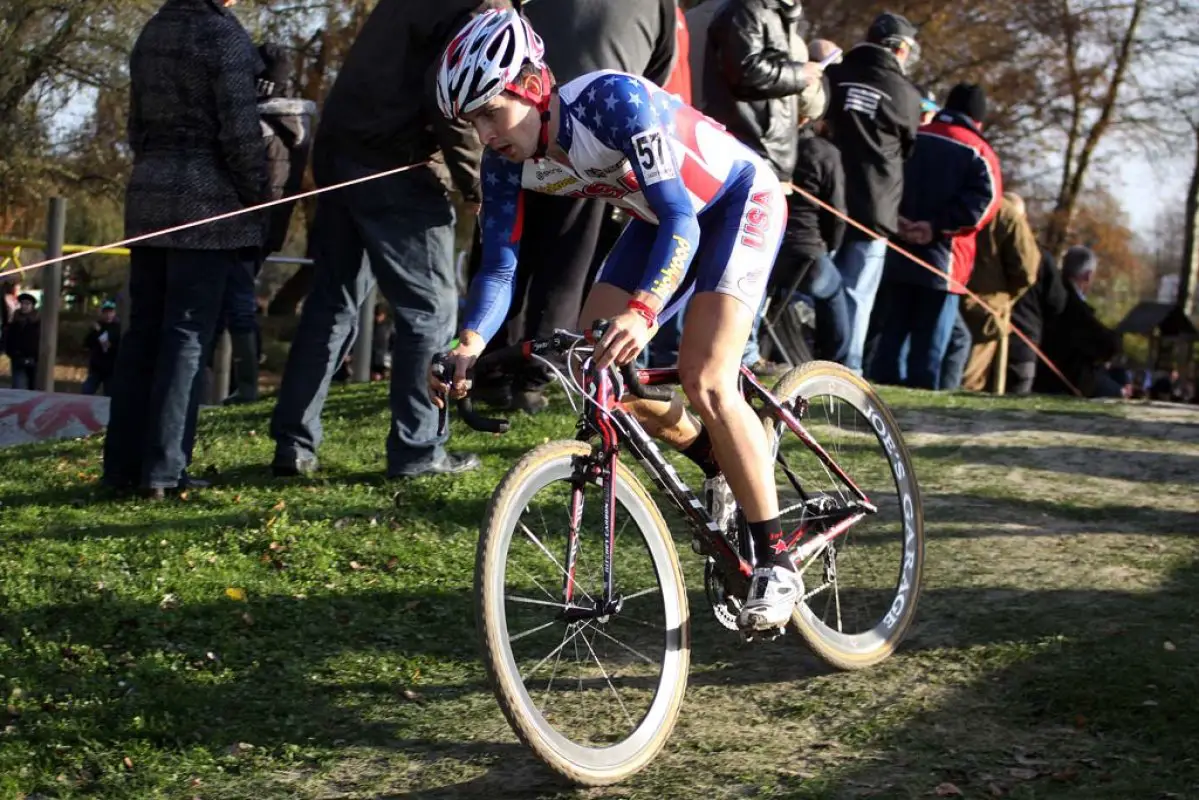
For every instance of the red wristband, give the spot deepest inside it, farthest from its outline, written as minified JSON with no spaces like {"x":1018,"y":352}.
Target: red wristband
{"x":645,"y":312}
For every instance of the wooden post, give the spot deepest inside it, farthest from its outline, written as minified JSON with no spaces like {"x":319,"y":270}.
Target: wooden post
{"x":999,"y":364}
{"x":56,"y":227}
{"x":222,"y":365}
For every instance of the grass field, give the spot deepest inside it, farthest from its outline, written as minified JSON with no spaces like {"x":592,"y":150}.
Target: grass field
{"x":315,"y":639}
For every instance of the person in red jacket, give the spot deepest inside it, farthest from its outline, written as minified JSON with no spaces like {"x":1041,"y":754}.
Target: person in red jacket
{"x":679,"y":81}
{"x":952,"y":189}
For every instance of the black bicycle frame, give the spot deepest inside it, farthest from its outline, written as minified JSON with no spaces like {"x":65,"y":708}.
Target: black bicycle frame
{"x":606,"y":417}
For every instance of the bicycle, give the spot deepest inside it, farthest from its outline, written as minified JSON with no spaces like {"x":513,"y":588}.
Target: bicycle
{"x":609,"y":617}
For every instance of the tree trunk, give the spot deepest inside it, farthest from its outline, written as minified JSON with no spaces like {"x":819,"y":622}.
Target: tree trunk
{"x":1075,"y":174}
{"x":1190,"y":252}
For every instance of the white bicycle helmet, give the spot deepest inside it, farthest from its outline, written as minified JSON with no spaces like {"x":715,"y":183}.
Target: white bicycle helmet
{"x":485,"y":58}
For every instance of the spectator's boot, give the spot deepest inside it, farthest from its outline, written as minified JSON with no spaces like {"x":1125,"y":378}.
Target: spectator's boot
{"x":245,"y":369}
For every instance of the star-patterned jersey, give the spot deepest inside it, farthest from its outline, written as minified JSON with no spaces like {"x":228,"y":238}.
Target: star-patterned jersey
{"x":631,"y":144}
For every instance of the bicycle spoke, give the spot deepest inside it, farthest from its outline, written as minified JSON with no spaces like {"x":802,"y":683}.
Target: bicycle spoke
{"x":557,"y":660}
{"x":551,"y":654}
{"x":531,"y":631}
{"x":518,"y":599}
{"x":621,"y":644}
{"x":549,"y":555}
{"x":641,"y":593}
{"x":608,"y":680}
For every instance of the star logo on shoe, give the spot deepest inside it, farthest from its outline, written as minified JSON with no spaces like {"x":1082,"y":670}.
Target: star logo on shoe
{"x":779,"y":547}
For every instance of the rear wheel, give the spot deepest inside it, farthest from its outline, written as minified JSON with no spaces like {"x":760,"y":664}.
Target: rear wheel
{"x":860,"y":591}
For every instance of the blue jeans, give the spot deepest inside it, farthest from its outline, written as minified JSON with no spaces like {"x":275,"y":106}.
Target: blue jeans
{"x":860,"y":263}
{"x":914,"y":334}
{"x":957,"y":355}
{"x":833,"y":323}
{"x":24,"y":375}
{"x":405,"y":226}
{"x":240,"y":302}
{"x":174,"y":303}
{"x":93,"y":382}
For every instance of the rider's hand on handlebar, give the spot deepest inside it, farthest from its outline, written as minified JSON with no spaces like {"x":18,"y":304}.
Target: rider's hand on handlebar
{"x":457,"y":363}
{"x":627,"y":335}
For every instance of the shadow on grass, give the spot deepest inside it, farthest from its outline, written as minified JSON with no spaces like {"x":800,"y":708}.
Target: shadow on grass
{"x":1047,"y":517}
{"x":1095,"y":697}
{"x":1126,"y":465}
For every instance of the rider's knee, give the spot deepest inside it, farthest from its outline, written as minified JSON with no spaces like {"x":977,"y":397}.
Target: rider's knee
{"x":708,"y":391}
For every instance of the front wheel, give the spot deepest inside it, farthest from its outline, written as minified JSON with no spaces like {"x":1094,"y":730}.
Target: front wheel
{"x":595,"y":696}
{"x":860,"y":591}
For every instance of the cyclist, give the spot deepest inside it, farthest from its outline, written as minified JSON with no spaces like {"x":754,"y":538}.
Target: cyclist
{"x":708,"y":217}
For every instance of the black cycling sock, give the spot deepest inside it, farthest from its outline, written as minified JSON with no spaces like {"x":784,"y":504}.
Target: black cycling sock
{"x":700,"y":452}
{"x":769,"y":544}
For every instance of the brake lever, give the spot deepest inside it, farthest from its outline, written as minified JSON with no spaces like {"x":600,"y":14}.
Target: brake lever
{"x":443,"y":413}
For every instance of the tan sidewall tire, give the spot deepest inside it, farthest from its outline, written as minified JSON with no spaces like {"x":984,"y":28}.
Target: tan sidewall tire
{"x":489,"y":558}
{"x":841,"y":658}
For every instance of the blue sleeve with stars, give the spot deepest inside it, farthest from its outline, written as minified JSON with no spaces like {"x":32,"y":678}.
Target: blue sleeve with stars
{"x":501,"y":218}
{"x":621,"y":112}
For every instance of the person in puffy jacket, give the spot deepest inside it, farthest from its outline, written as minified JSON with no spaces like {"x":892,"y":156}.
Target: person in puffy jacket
{"x":22,"y":340}
{"x":952,"y":189}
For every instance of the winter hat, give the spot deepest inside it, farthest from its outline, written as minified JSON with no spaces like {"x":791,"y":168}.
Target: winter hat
{"x":1079,"y":262}
{"x":108,"y":305}
{"x":969,"y":99}
{"x":23,"y":296}
{"x":889,"y":30}
{"x":274,"y":80}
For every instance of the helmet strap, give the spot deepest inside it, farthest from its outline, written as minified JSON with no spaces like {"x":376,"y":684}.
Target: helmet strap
{"x":542,"y":103}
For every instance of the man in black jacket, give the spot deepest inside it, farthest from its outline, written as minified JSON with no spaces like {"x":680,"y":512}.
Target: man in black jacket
{"x":1076,"y":340}
{"x":562,"y":234}
{"x":380,"y":115}
{"x":197,"y":152}
{"x":873,"y":114}
{"x":755,"y":68}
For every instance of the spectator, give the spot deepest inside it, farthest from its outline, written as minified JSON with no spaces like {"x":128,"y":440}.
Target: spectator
{"x":952,"y":188}
{"x":1004,"y":269}
{"x":287,"y":130}
{"x":380,"y":115}
{"x":22,"y":341}
{"x":381,"y":344}
{"x":102,"y":343}
{"x":814,"y":234}
{"x":1030,"y":314}
{"x":699,"y":22}
{"x":928,"y":106}
{"x":678,"y":82}
{"x":562,"y":234}
{"x":820,"y":49}
{"x":197,"y":153}
{"x":756,"y":74}
{"x":957,"y":355}
{"x":873,"y":115}
{"x":1076,"y":341}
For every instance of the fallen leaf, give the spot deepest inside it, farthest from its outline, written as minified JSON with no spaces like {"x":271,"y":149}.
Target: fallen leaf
{"x":412,"y":696}
{"x":996,"y":790}
{"x":282,"y":504}
{"x":1029,"y":761}
{"x":1170,"y":647}
{"x":948,"y":790}
{"x":128,"y":762}
{"x":393,"y":564}
{"x":183,"y":495}
{"x":1066,"y":775}
{"x":236,"y":595}
{"x":240,"y":748}
{"x":169,"y":601}
{"x":412,"y":605}
{"x":1023,"y":774}
{"x":354,"y":565}
{"x":247,"y":618}
{"x":275,"y":546}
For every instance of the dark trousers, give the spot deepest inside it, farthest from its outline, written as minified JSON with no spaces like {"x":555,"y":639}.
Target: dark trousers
{"x":404,"y":225}
{"x":174,"y":304}
{"x":557,"y":251}
{"x":914,"y":333}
